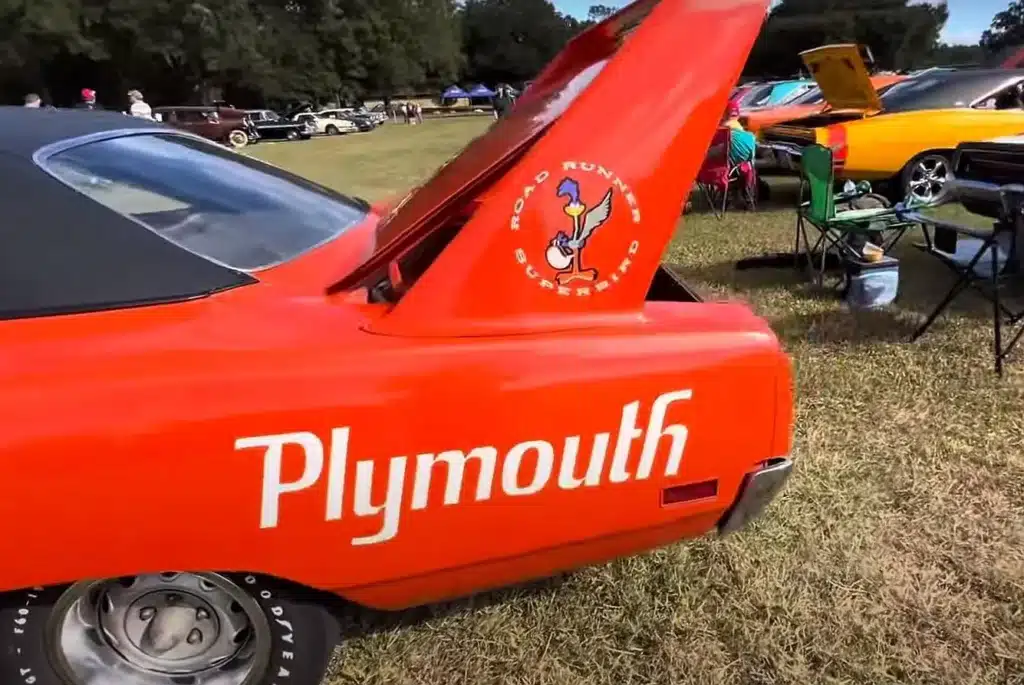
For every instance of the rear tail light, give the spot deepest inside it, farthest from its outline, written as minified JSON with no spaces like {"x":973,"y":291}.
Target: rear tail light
{"x":836,"y":140}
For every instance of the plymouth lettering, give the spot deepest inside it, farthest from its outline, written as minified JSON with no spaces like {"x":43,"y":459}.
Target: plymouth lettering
{"x":524,"y":469}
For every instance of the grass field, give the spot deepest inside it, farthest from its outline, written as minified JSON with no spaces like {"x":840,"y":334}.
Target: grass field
{"x":896,"y":554}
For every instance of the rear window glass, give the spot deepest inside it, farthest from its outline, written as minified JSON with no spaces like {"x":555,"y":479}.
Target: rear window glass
{"x":209,"y":200}
{"x":811,"y":97}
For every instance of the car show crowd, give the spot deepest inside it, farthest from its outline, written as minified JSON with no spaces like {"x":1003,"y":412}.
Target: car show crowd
{"x":236,"y":128}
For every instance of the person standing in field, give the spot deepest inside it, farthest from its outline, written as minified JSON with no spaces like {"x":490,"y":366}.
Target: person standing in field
{"x":502,"y":102}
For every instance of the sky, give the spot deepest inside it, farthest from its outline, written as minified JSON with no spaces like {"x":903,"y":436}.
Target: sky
{"x":967,"y":18}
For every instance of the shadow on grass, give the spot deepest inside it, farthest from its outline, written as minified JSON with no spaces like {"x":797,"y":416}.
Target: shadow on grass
{"x":357,"y":621}
{"x":780,"y":194}
{"x":924,"y":282}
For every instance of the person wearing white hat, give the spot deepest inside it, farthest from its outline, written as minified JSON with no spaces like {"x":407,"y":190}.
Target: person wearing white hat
{"x":139,"y":107}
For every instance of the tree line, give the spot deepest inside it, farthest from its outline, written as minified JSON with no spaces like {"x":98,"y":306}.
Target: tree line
{"x":902,"y":34}
{"x":272,"y":52}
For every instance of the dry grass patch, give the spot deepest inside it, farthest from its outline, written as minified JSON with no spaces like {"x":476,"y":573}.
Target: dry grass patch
{"x":896,"y":555}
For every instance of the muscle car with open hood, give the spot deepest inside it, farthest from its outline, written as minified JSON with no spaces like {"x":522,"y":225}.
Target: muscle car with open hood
{"x":232,"y":398}
{"x":902,"y":140}
{"x":809,"y":103}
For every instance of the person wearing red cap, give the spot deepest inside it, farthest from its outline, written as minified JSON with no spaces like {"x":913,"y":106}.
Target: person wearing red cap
{"x":88,"y":99}
{"x":742,"y":143}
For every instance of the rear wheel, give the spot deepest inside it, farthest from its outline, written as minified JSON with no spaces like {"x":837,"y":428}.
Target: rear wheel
{"x":164,"y":629}
{"x":238,"y":138}
{"x":331,"y":130}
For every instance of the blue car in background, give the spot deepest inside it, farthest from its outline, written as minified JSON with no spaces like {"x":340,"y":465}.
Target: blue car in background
{"x":774,"y":93}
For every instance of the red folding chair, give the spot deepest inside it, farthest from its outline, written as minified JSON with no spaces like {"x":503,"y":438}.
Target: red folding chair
{"x":718,"y":176}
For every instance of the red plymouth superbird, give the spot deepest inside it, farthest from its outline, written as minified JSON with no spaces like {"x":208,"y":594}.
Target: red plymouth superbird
{"x":230,"y":396}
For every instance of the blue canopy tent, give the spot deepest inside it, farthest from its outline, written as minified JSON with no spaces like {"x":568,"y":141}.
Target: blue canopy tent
{"x":454,"y":93}
{"x":481,"y":91}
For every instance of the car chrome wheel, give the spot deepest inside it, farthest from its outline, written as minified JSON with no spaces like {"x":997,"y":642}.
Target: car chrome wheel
{"x":238,"y":139}
{"x":927,"y":179}
{"x":166,"y":629}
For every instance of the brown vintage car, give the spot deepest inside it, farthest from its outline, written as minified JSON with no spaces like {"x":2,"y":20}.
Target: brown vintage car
{"x":222,"y":124}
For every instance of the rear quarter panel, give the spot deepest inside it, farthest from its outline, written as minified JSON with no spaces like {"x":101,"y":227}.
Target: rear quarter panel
{"x":122,"y":431}
{"x":880,"y":146}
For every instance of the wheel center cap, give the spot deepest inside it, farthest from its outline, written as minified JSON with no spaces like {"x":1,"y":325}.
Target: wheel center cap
{"x":170,"y":626}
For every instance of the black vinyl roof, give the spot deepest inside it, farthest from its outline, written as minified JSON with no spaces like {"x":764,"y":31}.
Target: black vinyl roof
{"x":61,"y":252}
{"x":946,"y":89}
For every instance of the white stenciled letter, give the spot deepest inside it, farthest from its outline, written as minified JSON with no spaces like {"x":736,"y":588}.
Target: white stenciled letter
{"x":273,"y":488}
{"x":567,"y":479}
{"x":336,"y":464}
{"x":391,"y":509}
{"x":628,"y":432}
{"x":455,"y":460}
{"x":514,"y":461}
{"x":656,"y":430}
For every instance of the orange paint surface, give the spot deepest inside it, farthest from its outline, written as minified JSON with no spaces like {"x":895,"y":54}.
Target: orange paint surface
{"x":517,"y":411}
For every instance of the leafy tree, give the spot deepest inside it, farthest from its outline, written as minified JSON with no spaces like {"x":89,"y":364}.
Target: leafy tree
{"x":511,"y":40}
{"x":598,"y":13}
{"x":1007,"y":29}
{"x":901,"y":34}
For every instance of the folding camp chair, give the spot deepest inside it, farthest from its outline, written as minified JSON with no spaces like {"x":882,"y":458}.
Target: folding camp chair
{"x":842,"y":234}
{"x":718,"y":175}
{"x":985,"y":261}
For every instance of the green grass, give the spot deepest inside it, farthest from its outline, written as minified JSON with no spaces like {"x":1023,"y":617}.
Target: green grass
{"x":896,"y":554}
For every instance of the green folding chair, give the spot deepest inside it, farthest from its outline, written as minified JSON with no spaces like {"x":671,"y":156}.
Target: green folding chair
{"x":843,"y":233}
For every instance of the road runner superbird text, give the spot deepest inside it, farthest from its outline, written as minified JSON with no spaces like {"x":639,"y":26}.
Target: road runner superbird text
{"x":563,"y":468}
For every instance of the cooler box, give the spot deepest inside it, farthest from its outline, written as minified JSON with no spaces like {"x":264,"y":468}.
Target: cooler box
{"x":872,"y":285}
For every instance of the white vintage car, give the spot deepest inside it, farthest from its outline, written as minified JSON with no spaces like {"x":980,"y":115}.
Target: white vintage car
{"x":328,"y":126}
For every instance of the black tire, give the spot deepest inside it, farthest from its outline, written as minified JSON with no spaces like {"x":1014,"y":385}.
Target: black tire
{"x":292,"y":135}
{"x":331,"y":130}
{"x":238,"y":138}
{"x":302,"y":636}
{"x":911,"y":171}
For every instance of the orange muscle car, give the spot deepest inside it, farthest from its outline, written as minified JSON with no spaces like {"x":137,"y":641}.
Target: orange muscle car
{"x":811,"y":103}
{"x":230,"y":396}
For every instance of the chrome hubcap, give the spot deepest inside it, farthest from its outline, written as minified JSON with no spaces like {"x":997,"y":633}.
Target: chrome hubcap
{"x":928,"y":178}
{"x":180,"y":628}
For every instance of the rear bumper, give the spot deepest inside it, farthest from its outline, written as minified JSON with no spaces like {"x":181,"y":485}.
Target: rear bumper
{"x":756,"y":492}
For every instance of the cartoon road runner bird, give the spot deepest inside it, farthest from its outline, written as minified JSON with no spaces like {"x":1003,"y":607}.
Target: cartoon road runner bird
{"x":564,"y":253}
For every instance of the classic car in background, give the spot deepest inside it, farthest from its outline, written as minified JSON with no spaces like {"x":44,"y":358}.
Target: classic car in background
{"x":773,"y":93}
{"x":222,"y":124}
{"x":372,"y":424}
{"x":982,"y":168}
{"x":325,"y":126}
{"x":272,"y":126}
{"x":901,"y":141}
{"x":363,"y":123}
{"x":810,"y":103}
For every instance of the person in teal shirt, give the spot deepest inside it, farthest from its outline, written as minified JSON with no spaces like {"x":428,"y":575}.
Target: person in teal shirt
{"x":742,"y":143}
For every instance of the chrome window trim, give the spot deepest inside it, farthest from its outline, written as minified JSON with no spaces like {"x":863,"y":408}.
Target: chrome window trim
{"x":41,"y":156}
{"x":1003,"y":86}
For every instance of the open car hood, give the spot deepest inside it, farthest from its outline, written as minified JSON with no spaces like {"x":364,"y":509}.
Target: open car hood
{"x":842,"y":75}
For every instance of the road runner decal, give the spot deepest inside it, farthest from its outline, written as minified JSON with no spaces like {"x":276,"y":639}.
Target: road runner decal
{"x":409,"y":479}
{"x":556,"y":256}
